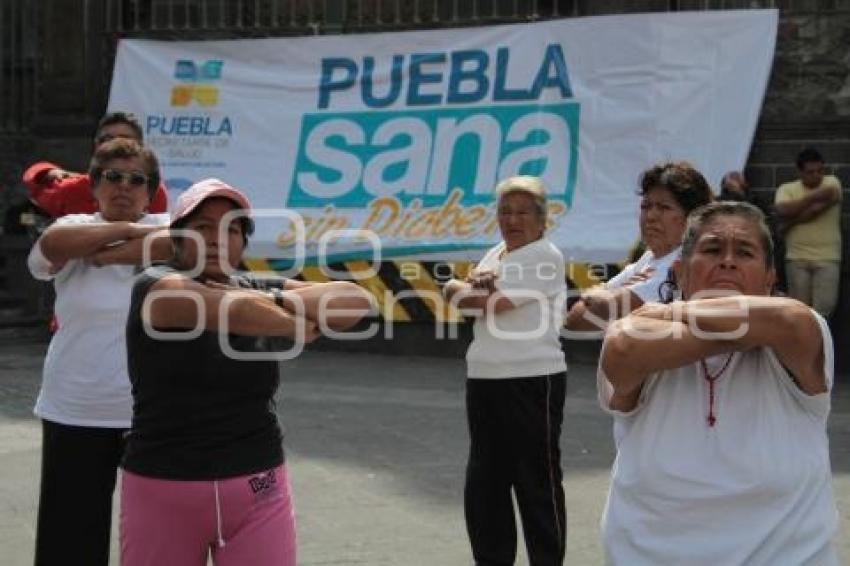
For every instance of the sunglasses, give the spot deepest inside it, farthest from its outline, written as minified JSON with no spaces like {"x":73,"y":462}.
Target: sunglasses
{"x":133,"y":178}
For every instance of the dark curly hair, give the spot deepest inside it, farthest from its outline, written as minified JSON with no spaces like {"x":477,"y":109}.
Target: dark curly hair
{"x":685,"y":183}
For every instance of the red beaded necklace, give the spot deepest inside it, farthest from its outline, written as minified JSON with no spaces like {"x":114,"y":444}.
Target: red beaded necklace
{"x":711,"y":379}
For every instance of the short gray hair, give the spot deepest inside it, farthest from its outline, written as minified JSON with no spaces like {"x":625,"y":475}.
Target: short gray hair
{"x":525,"y":184}
{"x":704,"y":214}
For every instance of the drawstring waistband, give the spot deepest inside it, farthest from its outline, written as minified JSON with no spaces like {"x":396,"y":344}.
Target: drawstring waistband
{"x":218,"y":515}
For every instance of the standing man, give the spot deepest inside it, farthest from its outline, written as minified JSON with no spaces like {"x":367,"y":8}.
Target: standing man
{"x":809,"y":213}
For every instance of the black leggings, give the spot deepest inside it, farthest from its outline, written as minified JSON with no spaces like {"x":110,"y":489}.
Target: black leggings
{"x":515,"y":428}
{"x":78,"y":470}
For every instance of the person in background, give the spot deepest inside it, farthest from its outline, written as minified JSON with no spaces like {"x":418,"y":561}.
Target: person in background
{"x":720,"y":403}
{"x":516,"y":384}
{"x":204,"y":472}
{"x":809,"y":212}
{"x":84,"y":403}
{"x":58,"y":192}
{"x":669,"y":192}
{"x":733,"y":186}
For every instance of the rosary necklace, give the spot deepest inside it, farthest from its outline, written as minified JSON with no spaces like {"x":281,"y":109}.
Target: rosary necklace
{"x":711,"y":379}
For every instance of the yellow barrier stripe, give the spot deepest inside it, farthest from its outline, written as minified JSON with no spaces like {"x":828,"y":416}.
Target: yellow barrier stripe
{"x":422,"y":281}
{"x":461,"y":269}
{"x":581,"y":276}
{"x":419,"y":280}
{"x":257,"y":264}
{"x":314,"y":274}
{"x":378,"y":289}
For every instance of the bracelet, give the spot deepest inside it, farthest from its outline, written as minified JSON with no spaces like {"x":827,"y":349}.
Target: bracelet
{"x":277,"y":295}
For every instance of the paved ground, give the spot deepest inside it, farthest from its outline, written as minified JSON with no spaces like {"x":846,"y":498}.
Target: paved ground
{"x":376,"y":446}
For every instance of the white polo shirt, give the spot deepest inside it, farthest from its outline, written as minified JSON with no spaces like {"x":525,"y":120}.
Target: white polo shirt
{"x":85,"y":380}
{"x":522,"y":341}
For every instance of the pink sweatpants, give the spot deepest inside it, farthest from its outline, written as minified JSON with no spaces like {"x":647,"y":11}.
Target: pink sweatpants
{"x":247,"y":520}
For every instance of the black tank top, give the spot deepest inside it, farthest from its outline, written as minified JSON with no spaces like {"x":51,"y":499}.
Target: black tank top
{"x":198,"y":414}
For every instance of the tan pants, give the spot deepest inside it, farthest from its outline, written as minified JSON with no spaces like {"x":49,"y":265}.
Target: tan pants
{"x":814,"y":283}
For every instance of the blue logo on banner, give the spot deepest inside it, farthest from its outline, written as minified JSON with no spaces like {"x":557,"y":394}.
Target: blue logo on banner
{"x":184,"y":70}
{"x":211,"y":70}
{"x":187,"y":71}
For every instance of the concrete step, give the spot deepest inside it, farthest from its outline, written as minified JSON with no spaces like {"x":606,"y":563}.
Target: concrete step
{"x":13,"y":317}
{"x":8,"y":301}
{"x":27,"y":330}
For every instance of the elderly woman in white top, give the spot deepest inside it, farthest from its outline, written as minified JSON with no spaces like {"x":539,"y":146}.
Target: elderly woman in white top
{"x":669,"y":192}
{"x":85,"y":402}
{"x":722,"y":401}
{"x":517,"y":383}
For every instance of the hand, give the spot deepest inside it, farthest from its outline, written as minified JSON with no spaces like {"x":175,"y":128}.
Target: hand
{"x":311,"y":330}
{"x":595,"y":295}
{"x":246,"y":291}
{"x":658,"y":311}
{"x":57,"y":174}
{"x":485,"y":280}
{"x":641,"y":276}
{"x":56,"y":267}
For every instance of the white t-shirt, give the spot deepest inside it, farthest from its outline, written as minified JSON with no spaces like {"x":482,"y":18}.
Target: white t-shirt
{"x":522,"y":341}
{"x":753,"y":489}
{"x":85,"y":379}
{"x":647,"y":290}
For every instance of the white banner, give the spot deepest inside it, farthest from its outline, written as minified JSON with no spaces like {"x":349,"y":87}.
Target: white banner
{"x":406,"y":134}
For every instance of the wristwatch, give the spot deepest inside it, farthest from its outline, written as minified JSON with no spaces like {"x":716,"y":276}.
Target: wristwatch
{"x":277,"y":295}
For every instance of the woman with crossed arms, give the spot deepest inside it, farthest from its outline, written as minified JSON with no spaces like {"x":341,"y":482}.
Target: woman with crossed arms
{"x":516,"y":384}
{"x":669,"y":192}
{"x":84,"y":403}
{"x":721,"y":401}
{"x":204,"y":471}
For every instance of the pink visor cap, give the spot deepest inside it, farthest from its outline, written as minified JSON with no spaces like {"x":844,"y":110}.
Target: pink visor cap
{"x":192,"y":197}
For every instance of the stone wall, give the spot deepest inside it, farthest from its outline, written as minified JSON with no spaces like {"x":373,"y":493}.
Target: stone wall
{"x":14,"y":151}
{"x":808,"y":97}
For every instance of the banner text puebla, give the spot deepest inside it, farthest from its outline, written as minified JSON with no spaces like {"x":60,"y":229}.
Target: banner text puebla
{"x":425,"y":170}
